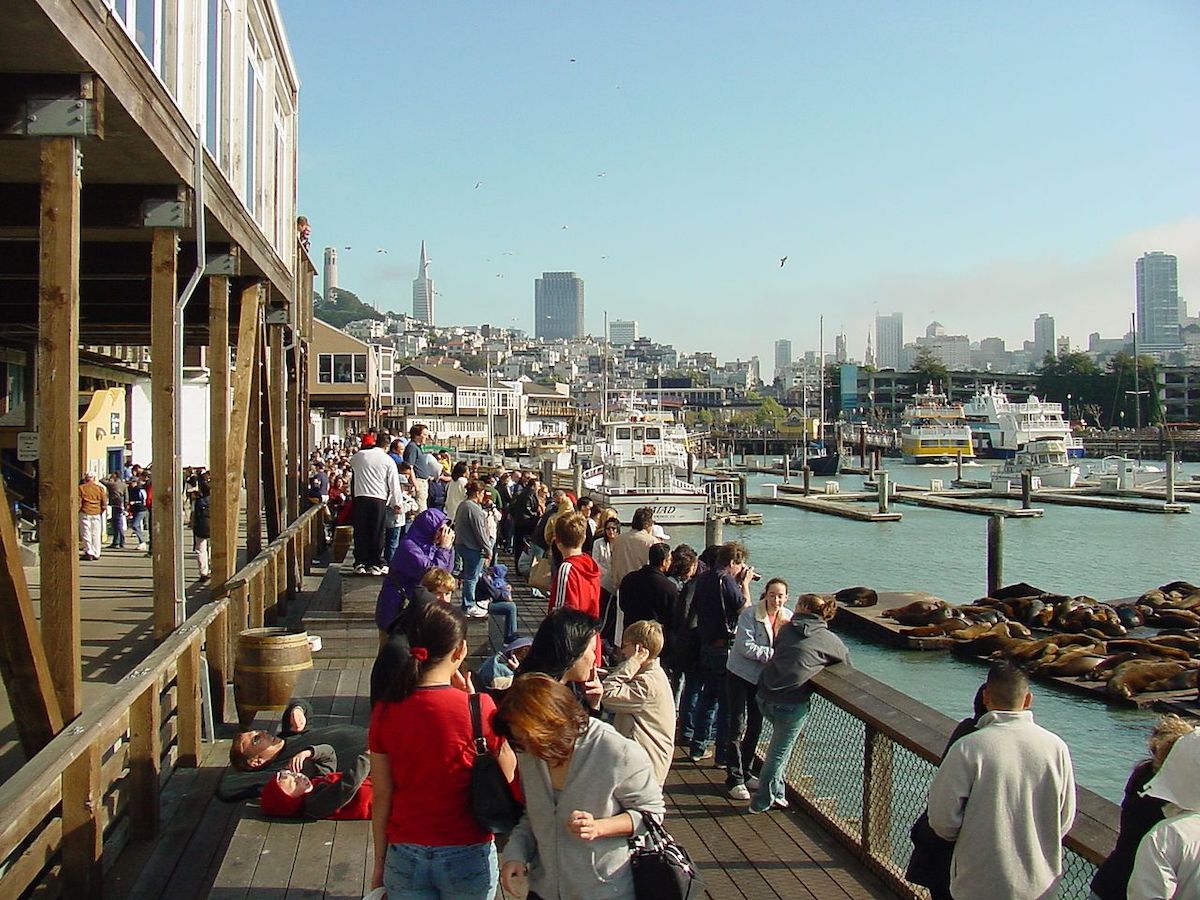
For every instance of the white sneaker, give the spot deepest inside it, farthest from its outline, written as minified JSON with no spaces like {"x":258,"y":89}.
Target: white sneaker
{"x":780,"y":803}
{"x":360,"y":570}
{"x":477,"y":612}
{"x":143,"y":546}
{"x":383,"y":570}
{"x":739,"y":792}
{"x":752,"y":783}
{"x":374,"y":570}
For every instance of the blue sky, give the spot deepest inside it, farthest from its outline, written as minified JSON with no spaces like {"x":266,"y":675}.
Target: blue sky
{"x":971,"y":163}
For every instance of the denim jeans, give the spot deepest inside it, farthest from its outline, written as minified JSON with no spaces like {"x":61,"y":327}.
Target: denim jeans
{"x":416,"y":872}
{"x":706,"y":685}
{"x":118,"y":526}
{"x":391,"y":540}
{"x":745,"y":727}
{"x":472,"y":568}
{"x":507,"y":610}
{"x":141,"y":528}
{"x":787,"y":720}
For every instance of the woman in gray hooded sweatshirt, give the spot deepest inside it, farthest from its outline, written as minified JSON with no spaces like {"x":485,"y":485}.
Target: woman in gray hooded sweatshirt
{"x":802,"y":648}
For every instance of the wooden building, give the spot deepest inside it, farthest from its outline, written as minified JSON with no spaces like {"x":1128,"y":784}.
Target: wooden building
{"x":147,"y":208}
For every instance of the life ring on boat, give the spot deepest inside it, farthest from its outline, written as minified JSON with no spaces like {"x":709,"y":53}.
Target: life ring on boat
{"x":649,"y":450}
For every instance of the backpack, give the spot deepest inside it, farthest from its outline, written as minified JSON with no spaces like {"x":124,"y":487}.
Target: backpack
{"x":437,"y":494}
{"x":682,"y":651}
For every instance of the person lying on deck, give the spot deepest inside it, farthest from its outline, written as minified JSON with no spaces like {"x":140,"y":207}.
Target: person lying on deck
{"x":343,"y":795}
{"x":256,"y":756}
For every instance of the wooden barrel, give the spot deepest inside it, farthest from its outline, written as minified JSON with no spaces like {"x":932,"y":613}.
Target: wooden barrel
{"x":342,"y":536}
{"x":265,"y":670}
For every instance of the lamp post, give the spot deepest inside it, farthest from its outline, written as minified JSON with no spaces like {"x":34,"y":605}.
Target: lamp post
{"x":1068,"y":409}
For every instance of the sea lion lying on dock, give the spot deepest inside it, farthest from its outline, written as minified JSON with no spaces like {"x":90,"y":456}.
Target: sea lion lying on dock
{"x":1083,"y":616}
{"x":1070,"y":664}
{"x":857,"y":596}
{"x":1037,"y":649}
{"x":937,"y":629}
{"x":1005,"y":637}
{"x":1137,"y":677}
{"x":919,"y":612}
{"x":1182,"y":588}
{"x":1151,"y":647}
{"x":1167,"y":617}
{"x":1012,"y":591}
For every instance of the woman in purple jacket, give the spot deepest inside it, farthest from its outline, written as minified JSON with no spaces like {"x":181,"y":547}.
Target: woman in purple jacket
{"x":428,"y":543}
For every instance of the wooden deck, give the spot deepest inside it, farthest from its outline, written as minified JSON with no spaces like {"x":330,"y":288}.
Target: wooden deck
{"x":227,"y":851}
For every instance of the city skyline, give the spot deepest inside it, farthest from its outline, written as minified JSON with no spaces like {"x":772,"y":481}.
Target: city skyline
{"x":1014,"y":188}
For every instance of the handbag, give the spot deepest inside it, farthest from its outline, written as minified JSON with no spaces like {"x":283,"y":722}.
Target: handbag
{"x":929,"y":865}
{"x":492,"y":803}
{"x":539,"y":574}
{"x":662,"y":868}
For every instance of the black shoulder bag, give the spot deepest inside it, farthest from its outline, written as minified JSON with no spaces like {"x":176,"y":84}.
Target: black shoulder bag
{"x":662,"y":869}
{"x":492,"y":803}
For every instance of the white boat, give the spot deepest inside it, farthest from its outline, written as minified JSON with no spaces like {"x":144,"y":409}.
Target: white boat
{"x":1122,"y":473}
{"x":638,"y":463}
{"x":1045,"y":459}
{"x":934,"y":430}
{"x":999,"y":427}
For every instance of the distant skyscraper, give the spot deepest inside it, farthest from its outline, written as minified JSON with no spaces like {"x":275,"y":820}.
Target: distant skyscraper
{"x":330,"y":277}
{"x":783,"y":357}
{"x":623,"y":331}
{"x":889,"y":340}
{"x":423,"y":292}
{"x":1158,"y":299}
{"x":840,"y":353}
{"x":558,"y":306}
{"x":1043,"y":338}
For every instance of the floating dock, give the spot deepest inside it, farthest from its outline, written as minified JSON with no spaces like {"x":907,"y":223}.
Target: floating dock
{"x":831,"y":505}
{"x":965,"y":505}
{"x":1121,"y":504}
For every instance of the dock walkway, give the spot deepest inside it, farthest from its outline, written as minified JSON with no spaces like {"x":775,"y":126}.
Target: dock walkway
{"x":226,"y":851}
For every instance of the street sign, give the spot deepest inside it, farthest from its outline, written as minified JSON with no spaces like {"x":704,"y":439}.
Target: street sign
{"x":27,"y":446}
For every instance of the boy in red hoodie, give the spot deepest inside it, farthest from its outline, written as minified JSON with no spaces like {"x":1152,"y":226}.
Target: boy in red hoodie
{"x":576,"y":581}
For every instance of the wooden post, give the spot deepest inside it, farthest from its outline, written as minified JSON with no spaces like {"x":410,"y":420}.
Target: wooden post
{"x":217,"y":645}
{"x":714,"y":531}
{"x":958,"y":463}
{"x":995,"y":554}
{"x":82,"y":841}
{"x":1170,"y":496}
{"x":743,"y":495}
{"x":145,"y":752}
{"x":242,"y":422}
{"x":270,"y":445}
{"x":787,"y":467}
{"x":23,"y":663}
{"x":58,"y":418}
{"x":254,"y":461}
{"x":187,"y":704}
{"x":806,"y":472}
{"x":1026,"y":489}
{"x":884,"y":488}
{"x":218,"y":452}
{"x":877,"y":795}
{"x":295,"y":460}
{"x":165,"y":521}
{"x":278,"y":425}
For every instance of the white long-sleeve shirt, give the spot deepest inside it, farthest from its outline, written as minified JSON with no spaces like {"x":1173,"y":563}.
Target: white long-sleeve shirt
{"x":375,"y":475}
{"x":1006,"y":796}
{"x":1168,"y":860}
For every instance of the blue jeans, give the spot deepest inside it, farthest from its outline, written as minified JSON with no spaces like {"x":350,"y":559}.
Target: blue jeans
{"x":704,"y":700}
{"x":141,"y":527}
{"x":391,"y":540}
{"x":472,"y":568}
{"x":118,"y":526}
{"x":787,"y":721}
{"x":507,"y":610}
{"x":416,"y":872}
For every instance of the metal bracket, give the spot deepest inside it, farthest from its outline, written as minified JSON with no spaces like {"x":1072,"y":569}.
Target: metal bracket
{"x":277,"y":315}
{"x":222,"y":264}
{"x":166,"y":214}
{"x":65,"y":116}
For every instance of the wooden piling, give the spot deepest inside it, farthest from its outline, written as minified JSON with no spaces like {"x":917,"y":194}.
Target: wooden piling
{"x":883,"y":491}
{"x":1026,"y":489}
{"x":807,"y":473}
{"x":995,"y":554}
{"x":714,"y":531}
{"x":743,"y":503}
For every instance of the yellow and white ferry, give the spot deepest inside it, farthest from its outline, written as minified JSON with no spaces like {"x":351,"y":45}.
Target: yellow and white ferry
{"x":934,"y":430}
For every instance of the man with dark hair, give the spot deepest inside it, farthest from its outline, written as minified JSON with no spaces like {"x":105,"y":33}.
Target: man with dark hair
{"x":1006,"y":796}
{"x":423,"y":468}
{"x":648,"y":593}
{"x":376,"y":487}
{"x":631,"y":549}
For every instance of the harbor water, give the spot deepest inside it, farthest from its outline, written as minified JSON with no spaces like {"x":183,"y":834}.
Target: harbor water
{"x":1071,"y":550}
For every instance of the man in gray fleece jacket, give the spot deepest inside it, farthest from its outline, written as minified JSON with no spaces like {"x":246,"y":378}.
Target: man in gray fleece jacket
{"x":473,"y":543}
{"x":1006,"y":796}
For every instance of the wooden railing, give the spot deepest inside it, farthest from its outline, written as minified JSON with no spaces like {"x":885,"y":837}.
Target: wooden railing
{"x":863,"y":766}
{"x":68,"y":812}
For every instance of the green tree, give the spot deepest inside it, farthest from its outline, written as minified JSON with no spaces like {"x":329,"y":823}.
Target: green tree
{"x":344,"y":307}
{"x":931,"y":369}
{"x":1121,"y":378}
{"x":770,"y":412}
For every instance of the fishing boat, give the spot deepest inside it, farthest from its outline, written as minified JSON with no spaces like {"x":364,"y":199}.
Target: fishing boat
{"x":1045,"y":459}
{"x":1123,"y":473}
{"x":638,"y":463}
{"x":820,"y":459}
{"x":934,"y":430}
{"x":1000,"y":427}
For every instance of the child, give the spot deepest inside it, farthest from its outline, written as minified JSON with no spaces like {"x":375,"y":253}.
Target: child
{"x":340,"y":795}
{"x":575,"y":583}
{"x":496,"y":673}
{"x":494,"y":593}
{"x":639,"y":693}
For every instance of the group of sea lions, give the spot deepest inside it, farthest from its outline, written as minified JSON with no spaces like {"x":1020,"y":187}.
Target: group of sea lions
{"x":1091,"y":640}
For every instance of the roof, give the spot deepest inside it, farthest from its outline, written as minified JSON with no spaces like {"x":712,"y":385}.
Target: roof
{"x":416,"y":383}
{"x":447,"y":376}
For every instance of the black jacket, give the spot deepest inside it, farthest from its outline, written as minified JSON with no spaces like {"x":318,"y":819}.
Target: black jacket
{"x":648,"y":593}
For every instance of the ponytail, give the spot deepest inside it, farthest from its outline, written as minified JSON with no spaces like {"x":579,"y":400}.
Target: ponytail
{"x":434,"y":632}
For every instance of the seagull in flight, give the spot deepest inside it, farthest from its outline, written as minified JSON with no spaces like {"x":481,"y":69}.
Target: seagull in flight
{"x":477,"y":184}
{"x":499,"y":275}
{"x":601,"y":174}
{"x":380,"y":250}
{"x":347,"y":248}
{"x":782,"y":261}
{"x":565,"y":227}
{"x":572,"y":59}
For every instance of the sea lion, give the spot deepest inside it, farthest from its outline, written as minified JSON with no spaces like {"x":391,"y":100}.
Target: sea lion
{"x":1103,"y":671}
{"x":1134,"y":677}
{"x":1020,"y":589}
{"x":1152,"y":597}
{"x":1188,"y":642}
{"x":1183,"y":588}
{"x":1129,"y":615}
{"x":1164,"y":617}
{"x":1071,"y":664}
{"x":997,"y":637}
{"x":979,"y":614}
{"x":1188,"y":601}
{"x":1149,"y":647}
{"x":1185,"y":680}
{"x":857,"y":596}
{"x":919,"y":612}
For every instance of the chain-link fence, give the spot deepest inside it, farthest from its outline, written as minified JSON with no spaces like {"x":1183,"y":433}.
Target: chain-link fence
{"x":867,"y":788}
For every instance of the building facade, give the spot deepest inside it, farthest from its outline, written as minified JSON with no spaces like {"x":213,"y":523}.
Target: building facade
{"x":783,"y":358}
{"x":422,"y":291}
{"x":889,"y":340}
{"x":623,"y":331}
{"x":1043,"y":338}
{"x":329,"y":277}
{"x":1158,"y":301}
{"x":558,"y":306}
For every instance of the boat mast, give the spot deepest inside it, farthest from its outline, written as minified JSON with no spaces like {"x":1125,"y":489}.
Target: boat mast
{"x":821,"y":377}
{"x":1137,"y":391}
{"x":604,"y":374}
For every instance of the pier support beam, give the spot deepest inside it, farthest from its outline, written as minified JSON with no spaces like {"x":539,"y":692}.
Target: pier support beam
{"x":884,"y":491}
{"x":995,"y":554}
{"x":218,"y":451}
{"x":743,"y":500}
{"x":241,"y":423}
{"x":1170,"y":477}
{"x":1026,"y":489}
{"x":714,"y":531}
{"x":165,"y":521}
{"x":807,"y":473}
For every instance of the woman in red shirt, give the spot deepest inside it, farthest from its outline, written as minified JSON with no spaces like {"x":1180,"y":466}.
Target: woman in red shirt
{"x":427,"y":843}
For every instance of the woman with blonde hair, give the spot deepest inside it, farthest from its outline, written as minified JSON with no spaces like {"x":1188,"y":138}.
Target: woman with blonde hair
{"x":1139,"y":813}
{"x":753,"y":646}
{"x":587,"y":789}
{"x":802,"y":649}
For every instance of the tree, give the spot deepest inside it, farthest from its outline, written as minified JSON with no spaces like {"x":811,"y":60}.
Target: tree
{"x":931,"y":369}
{"x":344,"y":307}
{"x":770,"y":412}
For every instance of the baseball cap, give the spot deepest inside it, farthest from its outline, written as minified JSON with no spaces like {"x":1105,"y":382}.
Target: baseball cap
{"x":658,"y":534}
{"x":518,"y":644}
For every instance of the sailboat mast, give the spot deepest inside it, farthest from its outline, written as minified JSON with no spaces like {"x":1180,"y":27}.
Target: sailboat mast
{"x":821,"y":377}
{"x":604,"y":374}
{"x":1137,"y":390}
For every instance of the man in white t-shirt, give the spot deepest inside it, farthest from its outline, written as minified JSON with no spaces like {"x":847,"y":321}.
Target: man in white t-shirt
{"x":375,"y":486}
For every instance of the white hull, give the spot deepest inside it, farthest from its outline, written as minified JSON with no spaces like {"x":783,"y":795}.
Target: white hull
{"x":1048,"y":476}
{"x":669,"y":508}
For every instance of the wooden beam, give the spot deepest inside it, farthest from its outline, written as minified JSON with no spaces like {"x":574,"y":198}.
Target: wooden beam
{"x":145,"y":761}
{"x":83,"y":838}
{"x":58,"y":418}
{"x":269,"y":447}
{"x":23,"y":661}
{"x":297,"y":460}
{"x":254,"y":461}
{"x":218,"y":453}
{"x":166,"y":526}
{"x":241,"y":420}
{"x":187,"y":705}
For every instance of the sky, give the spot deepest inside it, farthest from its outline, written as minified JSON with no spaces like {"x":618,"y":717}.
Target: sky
{"x":970,"y":163}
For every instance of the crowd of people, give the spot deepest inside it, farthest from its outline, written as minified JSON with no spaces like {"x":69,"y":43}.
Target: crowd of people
{"x":648,"y":656}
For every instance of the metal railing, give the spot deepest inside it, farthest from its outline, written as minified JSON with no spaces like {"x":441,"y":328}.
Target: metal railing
{"x":863,"y":766}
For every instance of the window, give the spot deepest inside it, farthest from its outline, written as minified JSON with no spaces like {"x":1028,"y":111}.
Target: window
{"x":360,"y":368}
{"x":215,"y":39}
{"x":343,"y":368}
{"x":325,"y":368}
{"x":623,"y":434}
{"x":654,"y":434}
{"x":146,"y":14}
{"x":255,"y":131}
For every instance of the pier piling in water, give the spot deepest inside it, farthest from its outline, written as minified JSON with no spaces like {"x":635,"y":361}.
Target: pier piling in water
{"x":807,"y":473}
{"x":1026,"y":489}
{"x":995,"y":553}
{"x":883,"y":491}
{"x":714,"y":531}
{"x":787,"y":469}
{"x":577,"y":479}
{"x":958,"y":462}
{"x":1170,"y":477}
{"x":743,"y":503}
